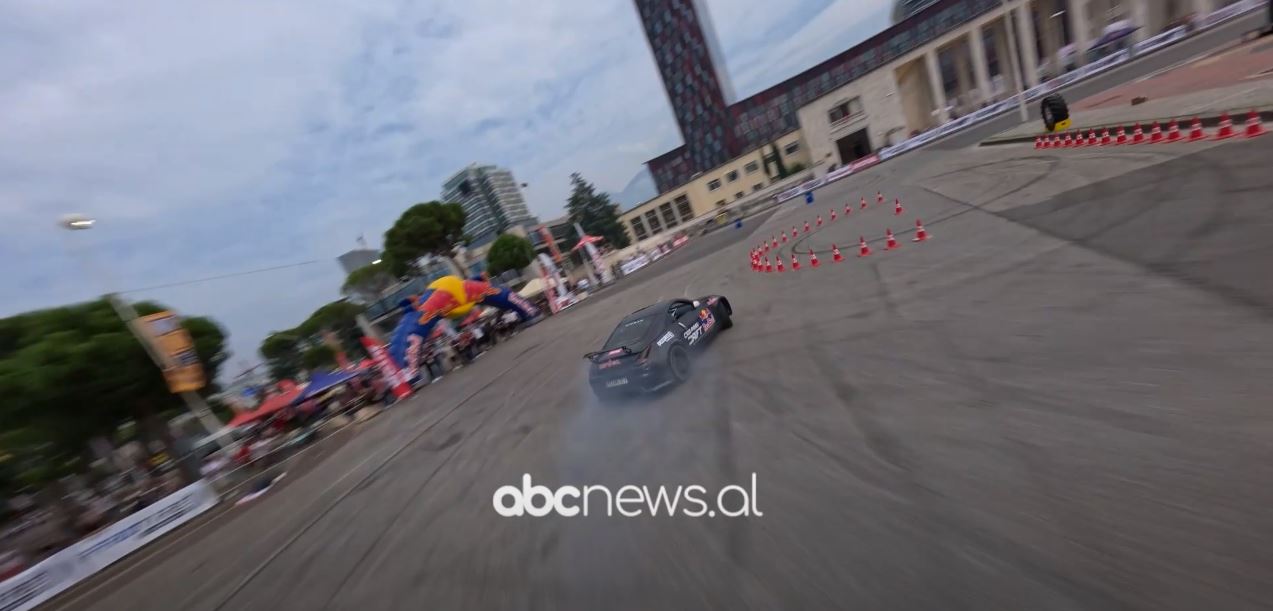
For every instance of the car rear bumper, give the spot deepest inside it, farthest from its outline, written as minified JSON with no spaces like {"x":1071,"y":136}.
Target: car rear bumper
{"x":629,"y":380}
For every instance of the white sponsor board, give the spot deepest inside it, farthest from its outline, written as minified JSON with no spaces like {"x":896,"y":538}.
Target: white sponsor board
{"x":77,"y":562}
{"x":634,"y":264}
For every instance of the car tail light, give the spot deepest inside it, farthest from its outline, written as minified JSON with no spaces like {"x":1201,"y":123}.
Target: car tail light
{"x":645,"y":354}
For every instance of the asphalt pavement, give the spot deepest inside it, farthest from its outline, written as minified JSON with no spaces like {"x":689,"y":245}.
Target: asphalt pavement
{"x":1060,"y":401}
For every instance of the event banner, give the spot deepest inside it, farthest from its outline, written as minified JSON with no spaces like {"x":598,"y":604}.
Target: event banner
{"x":77,"y":562}
{"x":393,"y":376}
{"x":171,"y":340}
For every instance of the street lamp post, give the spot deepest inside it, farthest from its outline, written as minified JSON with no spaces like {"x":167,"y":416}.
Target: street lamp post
{"x":126,"y":312}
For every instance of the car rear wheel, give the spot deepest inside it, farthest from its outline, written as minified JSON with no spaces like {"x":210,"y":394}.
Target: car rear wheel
{"x":678,"y":364}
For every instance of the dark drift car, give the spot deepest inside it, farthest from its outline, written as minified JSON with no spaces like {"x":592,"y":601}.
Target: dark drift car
{"x":650,"y":349}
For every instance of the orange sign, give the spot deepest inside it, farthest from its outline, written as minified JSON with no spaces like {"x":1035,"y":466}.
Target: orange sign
{"x":171,"y":340}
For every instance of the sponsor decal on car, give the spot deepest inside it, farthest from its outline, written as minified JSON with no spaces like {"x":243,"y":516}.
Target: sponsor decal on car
{"x":616,"y":382}
{"x":667,"y":337}
{"x":706,"y":320}
{"x":693,"y":335}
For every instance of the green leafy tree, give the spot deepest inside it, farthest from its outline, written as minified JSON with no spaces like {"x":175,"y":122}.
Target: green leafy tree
{"x":286,"y":352}
{"x":282,"y":353}
{"x":368,"y":282}
{"x":433,"y":228}
{"x":595,"y":213}
{"x":318,"y":356}
{"x":780,"y":170}
{"x":341,"y":319}
{"x":509,"y":252}
{"x":72,"y":373}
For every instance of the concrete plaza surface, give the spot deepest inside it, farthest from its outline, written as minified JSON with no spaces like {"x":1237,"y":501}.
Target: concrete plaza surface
{"x":1059,"y":402}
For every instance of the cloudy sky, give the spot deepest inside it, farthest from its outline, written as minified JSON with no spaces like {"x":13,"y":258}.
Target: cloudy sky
{"x":211,"y":138}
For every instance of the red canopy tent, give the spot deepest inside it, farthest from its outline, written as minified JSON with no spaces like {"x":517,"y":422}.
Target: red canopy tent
{"x":289,"y":391}
{"x":587,"y":239}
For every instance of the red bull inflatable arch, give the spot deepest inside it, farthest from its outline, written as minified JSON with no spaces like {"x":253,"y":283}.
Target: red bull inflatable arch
{"x":448,"y":297}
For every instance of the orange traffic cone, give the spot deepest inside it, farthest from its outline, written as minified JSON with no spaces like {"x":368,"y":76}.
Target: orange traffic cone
{"x":1196,"y":133}
{"x":795,"y":263}
{"x":892,"y":240}
{"x":1091,"y":138}
{"x":863,"y":249}
{"x":1173,"y":132}
{"x":864,"y":203}
{"x":794,"y":234}
{"x":819,"y":220}
{"x":1138,"y":136}
{"x":1039,"y":143}
{"x":779,"y":260}
{"x":832,"y":215}
{"x":848,"y":209}
{"x":920,"y":234}
{"x":813,"y":258}
{"x":835,"y":254}
{"x":1155,"y":135}
{"x":806,"y":226}
{"x":784,"y":237}
{"x":1106,"y":139}
{"x":1226,"y":128}
{"x":897,"y":207}
{"x":1254,"y":127}
{"x":769,"y":266}
{"x":879,"y":198}
{"x":1122,"y":136}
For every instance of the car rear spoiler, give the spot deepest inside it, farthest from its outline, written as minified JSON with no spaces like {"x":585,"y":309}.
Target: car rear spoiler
{"x":592,"y":356}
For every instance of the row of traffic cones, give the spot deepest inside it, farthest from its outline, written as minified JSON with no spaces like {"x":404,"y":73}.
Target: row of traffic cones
{"x":760,"y":261}
{"x":784,"y":237}
{"x":1254,"y":128}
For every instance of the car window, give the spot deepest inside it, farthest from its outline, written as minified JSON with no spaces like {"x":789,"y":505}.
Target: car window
{"x":681,"y":309}
{"x":628,"y":332}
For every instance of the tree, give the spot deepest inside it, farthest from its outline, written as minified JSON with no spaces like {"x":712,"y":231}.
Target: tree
{"x":594,"y":212}
{"x":281,"y":350}
{"x":341,"y":319}
{"x":318,"y":356}
{"x":509,"y":252}
{"x":72,"y":373}
{"x":367,"y":283}
{"x":780,"y":170}
{"x":433,"y":228}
